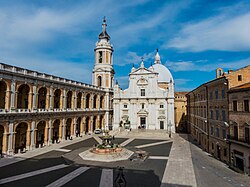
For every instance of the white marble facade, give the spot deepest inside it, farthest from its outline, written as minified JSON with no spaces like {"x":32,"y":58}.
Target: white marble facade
{"x":148,"y":102}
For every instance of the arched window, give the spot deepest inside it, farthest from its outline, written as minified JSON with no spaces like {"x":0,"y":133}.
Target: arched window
{"x":69,"y":99}
{"x":57,"y":95}
{"x":99,"y":81}
{"x":42,"y":97}
{"x":87,"y":101}
{"x":23,"y":95}
{"x":3,"y":88}
{"x":95,"y":102}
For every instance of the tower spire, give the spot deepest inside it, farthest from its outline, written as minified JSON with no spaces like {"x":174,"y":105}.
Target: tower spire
{"x":104,"y":34}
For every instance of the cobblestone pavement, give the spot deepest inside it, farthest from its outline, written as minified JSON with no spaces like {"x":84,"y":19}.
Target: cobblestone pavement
{"x":171,"y":162}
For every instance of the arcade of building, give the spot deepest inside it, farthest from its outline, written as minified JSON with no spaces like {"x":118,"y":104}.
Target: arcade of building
{"x":39,"y":109}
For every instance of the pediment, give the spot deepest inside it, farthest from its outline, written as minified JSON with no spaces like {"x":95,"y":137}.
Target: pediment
{"x":142,"y":70}
{"x":142,"y":112}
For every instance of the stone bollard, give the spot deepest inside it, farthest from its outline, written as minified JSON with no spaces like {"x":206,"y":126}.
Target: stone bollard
{"x":39,"y":146}
{"x":19,"y":151}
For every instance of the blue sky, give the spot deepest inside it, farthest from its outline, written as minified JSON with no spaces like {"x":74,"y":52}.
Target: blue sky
{"x":194,"y":37}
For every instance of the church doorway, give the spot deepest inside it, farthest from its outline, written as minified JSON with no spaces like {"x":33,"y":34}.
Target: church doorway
{"x":143,"y":122}
{"x":161,"y":124}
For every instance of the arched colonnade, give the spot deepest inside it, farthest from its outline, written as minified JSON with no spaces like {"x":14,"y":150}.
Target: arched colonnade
{"x":26,"y":135}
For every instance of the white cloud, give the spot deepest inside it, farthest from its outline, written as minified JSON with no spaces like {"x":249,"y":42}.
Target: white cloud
{"x":202,"y":65}
{"x":64,"y":69}
{"x":222,"y":32}
{"x":181,"y":81}
{"x":134,"y":58}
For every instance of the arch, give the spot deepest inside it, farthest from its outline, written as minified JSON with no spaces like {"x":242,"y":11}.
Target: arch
{"x":57,"y":96}
{"x":21,"y":136}
{"x":99,"y":80}
{"x":42,"y":92}
{"x":1,"y":139}
{"x":102,"y":102}
{"x":101,"y":122}
{"x":3,"y":89}
{"x":95,"y":101}
{"x":219,"y":72}
{"x":87,"y":124}
{"x":68,"y":131}
{"x":69,"y":99}
{"x":79,"y":100}
{"x":87,"y":104}
{"x":78,"y":126}
{"x":40,"y":133}
{"x":23,"y":96}
{"x":94,"y":123}
{"x":55,"y":133}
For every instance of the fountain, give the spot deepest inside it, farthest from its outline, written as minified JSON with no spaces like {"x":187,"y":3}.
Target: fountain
{"x":107,"y":146}
{"x":107,"y":151}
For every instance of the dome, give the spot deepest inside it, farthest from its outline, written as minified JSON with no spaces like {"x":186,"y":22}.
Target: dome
{"x":164,"y":74}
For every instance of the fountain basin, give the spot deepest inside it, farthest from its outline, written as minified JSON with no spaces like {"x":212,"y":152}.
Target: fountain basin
{"x":122,"y":154}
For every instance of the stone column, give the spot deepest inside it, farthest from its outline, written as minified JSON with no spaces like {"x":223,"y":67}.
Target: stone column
{"x":10,"y":150}
{"x":33,"y":135}
{"x":51,"y":98}
{"x":63,"y":129}
{"x":13,"y":95}
{"x":98,"y":102}
{"x":98,"y":122}
{"x":91,"y":101}
{"x":28,"y":138}
{"x":83,"y":106}
{"x":5,"y":141}
{"x":64,"y":106}
{"x":34,"y":105}
{"x":46,"y":130}
{"x":91,"y":124}
{"x":50,"y":132}
{"x":82,"y":126}
{"x":7,"y":98}
{"x":74,"y":127}
{"x":75,"y":100}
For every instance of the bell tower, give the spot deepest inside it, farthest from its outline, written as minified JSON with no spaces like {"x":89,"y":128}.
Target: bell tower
{"x":103,"y":72}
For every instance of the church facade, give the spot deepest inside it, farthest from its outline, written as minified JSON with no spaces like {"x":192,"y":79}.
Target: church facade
{"x":148,"y":102}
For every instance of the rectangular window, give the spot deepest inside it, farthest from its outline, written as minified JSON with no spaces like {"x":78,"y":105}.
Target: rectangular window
{"x":211,"y":95}
{"x":217,"y":132}
{"x":223,"y":115}
{"x":161,"y":106}
{"x":211,"y":114}
{"x":235,"y":133}
{"x":216,"y":94}
{"x":217,"y":114}
{"x":247,"y":139}
{"x":142,"y":106}
{"x":246,"y":105}
{"x":211,"y":130}
{"x":235,"y":106}
{"x":222,"y":94}
{"x":125,"y":106}
{"x":224,"y":133}
{"x":142,"y":92}
{"x":239,"y":77}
